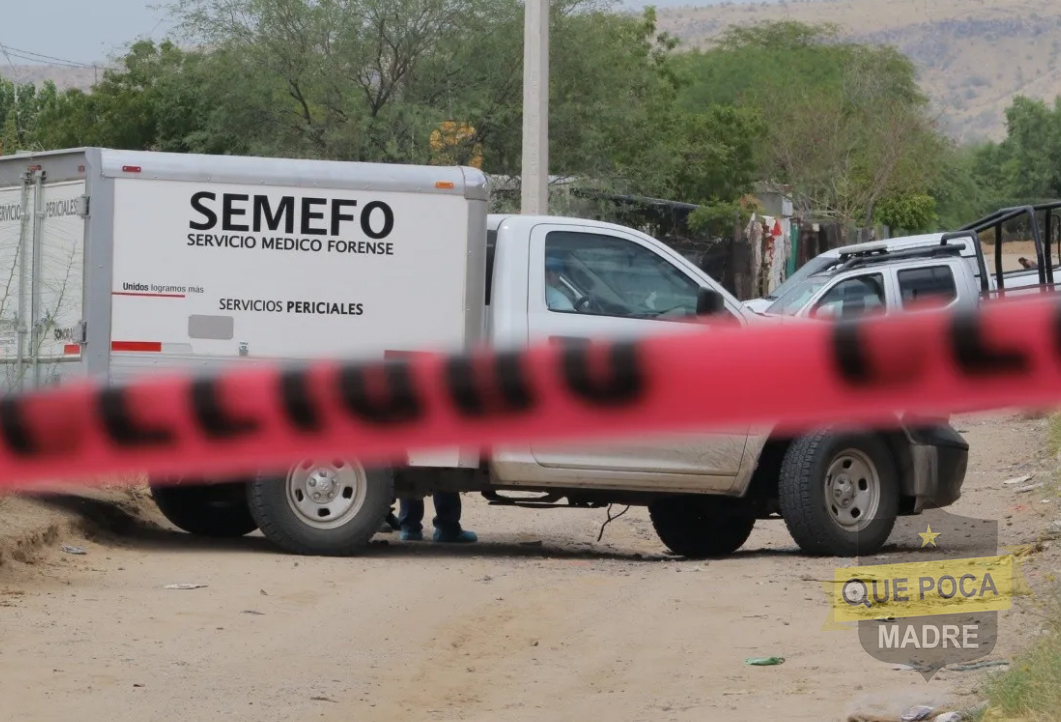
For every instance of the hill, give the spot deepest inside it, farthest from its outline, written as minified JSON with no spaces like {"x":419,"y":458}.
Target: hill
{"x":63,"y":76}
{"x":973,"y":55}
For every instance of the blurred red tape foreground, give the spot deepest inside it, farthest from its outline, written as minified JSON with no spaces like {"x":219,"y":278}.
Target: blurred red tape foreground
{"x":799,"y":375}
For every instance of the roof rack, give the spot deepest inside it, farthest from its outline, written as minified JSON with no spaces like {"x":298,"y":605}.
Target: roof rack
{"x":847,"y":261}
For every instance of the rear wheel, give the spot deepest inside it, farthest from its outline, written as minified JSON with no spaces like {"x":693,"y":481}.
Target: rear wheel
{"x":702,"y":526}
{"x":839,"y":493}
{"x":322,"y":507}
{"x":204,"y":509}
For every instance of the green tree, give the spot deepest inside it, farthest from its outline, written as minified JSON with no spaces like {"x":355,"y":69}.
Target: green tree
{"x":1029,"y":159}
{"x":370,"y":80}
{"x":159,"y":98}
{"x":20,"y":106}
{"x":9,"y":141}
{"x":963,"y":187}
{"x":909,"y":212}
{"x":846,"y":125}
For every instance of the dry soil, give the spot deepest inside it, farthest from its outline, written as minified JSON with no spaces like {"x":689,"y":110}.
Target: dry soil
{"x":538,"y":621}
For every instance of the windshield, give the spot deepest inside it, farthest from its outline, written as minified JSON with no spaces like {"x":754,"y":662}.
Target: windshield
{"x":811,"y":267}
{"x":790,"y":303}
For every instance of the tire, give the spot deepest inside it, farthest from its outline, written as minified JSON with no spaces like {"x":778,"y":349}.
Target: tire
{"x":699,"y":527}
{"x":355,"y":503}
{"x":210,"y":510}
{"x":845,"y":520}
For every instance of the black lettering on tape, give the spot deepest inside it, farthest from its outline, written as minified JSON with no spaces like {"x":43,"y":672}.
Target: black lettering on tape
{"x":213,"y":419}
{"x":396,"y":404}
{"x":295,"y":397}
{"x":1057,"y":329}
{"x":14,"y":428}
{"x":974,"y":356}
{"x":625,"y":382}
{"x":849,"y":354}
{"x":119,"y":425}
{"x":474,"y":398}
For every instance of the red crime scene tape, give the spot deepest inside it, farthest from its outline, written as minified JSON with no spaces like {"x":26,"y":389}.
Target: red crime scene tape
{"x":799,"y":375}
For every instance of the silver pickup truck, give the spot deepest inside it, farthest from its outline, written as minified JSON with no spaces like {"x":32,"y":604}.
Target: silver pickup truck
{"x":1041,"y":222}
{"x":878,"y":281}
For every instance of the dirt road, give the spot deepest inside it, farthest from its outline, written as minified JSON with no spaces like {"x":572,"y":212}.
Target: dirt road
{"x":536,"y":622}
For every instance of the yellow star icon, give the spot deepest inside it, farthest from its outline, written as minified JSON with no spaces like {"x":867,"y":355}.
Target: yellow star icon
{"x":928,"y":537}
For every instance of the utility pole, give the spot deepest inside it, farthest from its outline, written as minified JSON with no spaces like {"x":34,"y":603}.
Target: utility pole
{"x":534,"y":180}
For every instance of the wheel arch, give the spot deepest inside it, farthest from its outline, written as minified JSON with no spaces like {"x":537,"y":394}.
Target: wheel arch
{"x":763,"y":485}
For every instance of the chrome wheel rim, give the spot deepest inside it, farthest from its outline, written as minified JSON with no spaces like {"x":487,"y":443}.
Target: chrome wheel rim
{"x":326,"y":494}
{"x":852,"y":490}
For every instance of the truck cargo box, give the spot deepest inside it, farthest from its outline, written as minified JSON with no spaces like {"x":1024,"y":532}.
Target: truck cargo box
{"x":147,"y":262}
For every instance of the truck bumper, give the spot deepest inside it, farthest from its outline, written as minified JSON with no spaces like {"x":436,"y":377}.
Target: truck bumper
{"x":940,"y":458}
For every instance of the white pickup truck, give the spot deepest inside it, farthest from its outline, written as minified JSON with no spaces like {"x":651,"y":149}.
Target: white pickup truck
{"x":150,"y":262}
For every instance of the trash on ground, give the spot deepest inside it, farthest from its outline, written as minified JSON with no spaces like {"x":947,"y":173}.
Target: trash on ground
{"x":72,"y":549}
{"x":1017,"y":480}
{"x":914,"y":714}
{"x":951,"y":717}
{"x":184,"y":586}
{"x":764,"y":661}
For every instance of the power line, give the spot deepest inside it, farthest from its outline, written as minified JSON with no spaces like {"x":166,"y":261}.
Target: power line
{"x":37,"y":61}
{"x":14,"y":70}
{"x":31,"y":56}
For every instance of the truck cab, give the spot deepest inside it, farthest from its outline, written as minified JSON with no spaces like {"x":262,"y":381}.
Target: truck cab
{"x":617,"y":282}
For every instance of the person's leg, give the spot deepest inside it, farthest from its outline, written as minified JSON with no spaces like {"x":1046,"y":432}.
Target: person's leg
{"x":447,"y":519}
{"x":410,"y":519}
{"x":389,"y":524}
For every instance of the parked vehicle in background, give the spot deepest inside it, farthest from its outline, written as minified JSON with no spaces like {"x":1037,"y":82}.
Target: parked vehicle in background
{"x":883,"y":282}
{"x":191,"y":263}
{"x":830,"y":258}
{"x":1044,"y":228}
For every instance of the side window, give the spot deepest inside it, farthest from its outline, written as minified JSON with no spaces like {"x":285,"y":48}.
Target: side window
{"x":934,"y":284}
{"x":853,"y":297}
{"x":603,"y":275}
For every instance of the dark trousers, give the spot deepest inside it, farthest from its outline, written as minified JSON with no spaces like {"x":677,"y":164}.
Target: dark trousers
{"x":447,"y":513}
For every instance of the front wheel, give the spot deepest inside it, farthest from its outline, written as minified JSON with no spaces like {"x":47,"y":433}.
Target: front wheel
{"x":699,"y":527}
{"x":839,"y":493}
{"x":322,"y":507}
{"x":204,"y":509}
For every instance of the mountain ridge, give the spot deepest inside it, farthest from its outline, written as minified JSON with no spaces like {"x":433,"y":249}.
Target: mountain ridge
{"x":972,"y":56}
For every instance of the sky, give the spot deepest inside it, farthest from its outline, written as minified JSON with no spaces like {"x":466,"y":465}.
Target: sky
{"x":91,"y":31}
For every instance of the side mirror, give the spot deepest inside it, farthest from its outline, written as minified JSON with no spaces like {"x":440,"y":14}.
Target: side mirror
{"x":709,"y":302}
